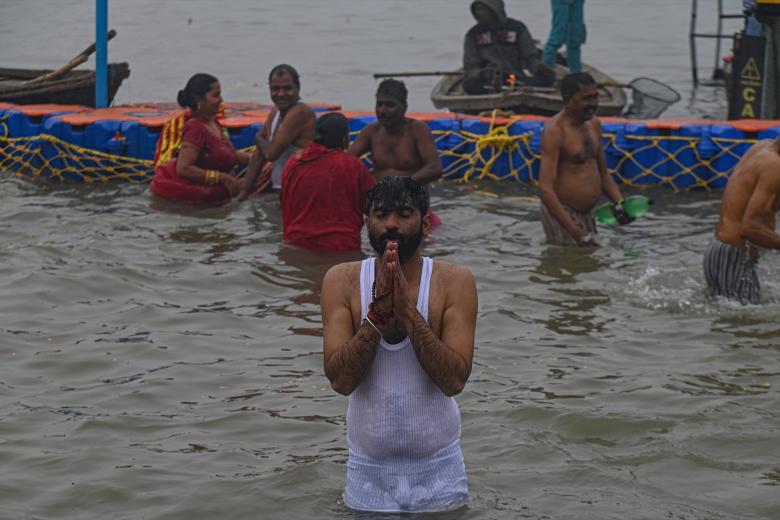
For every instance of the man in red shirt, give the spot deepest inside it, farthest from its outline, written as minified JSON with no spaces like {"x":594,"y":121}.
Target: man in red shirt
{"x":324,"y":191}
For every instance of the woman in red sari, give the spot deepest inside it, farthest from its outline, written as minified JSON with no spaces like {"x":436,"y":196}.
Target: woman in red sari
{"x":203,"y":170}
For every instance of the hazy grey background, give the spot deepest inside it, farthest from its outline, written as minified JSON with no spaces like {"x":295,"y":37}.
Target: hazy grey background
{"x":338,"y":44}
{"x":165,"y":363}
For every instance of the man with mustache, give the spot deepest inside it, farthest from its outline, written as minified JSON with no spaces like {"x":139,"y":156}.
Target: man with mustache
{"x":398,"y":145}
{"x":573,"y":172}
{"x":291,"y":128}
{"x":399,"y":341}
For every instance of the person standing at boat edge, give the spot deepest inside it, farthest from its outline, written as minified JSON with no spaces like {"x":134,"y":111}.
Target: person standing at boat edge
{"x":745,"y":224}
{"x":500,"y":46}
{"x":291,"y":128}
{"x":573,"y":174}
{"x":398,"y":339}
{"x":568,"y":28}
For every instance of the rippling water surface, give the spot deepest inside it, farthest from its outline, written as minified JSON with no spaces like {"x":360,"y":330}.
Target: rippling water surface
{"x":165,"y":362}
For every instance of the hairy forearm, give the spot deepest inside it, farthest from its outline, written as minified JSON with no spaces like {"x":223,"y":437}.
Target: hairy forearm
{"x":346,"y":367}
{"x":446,"y":367}
{"x":762,"y":237}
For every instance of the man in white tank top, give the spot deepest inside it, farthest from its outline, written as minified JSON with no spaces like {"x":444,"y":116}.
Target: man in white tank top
{"x":399,"y":341}
{"x":289,"y":128}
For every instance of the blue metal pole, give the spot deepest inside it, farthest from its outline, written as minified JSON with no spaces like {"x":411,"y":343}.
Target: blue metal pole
{"x":101,"y":54}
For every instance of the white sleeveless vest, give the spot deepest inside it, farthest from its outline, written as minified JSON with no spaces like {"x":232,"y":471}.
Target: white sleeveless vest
{"x":403,"y":433}
{"x":281,"y":161}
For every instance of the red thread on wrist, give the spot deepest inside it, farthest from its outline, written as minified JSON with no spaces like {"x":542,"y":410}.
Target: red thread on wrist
{"x":376,"y":317}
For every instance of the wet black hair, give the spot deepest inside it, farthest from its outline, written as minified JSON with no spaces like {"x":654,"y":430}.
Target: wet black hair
{"x":395,"y":192}
{"x":331,"y":130}
{"x":195,"y":90}
{"x":393,"y":88}
{"x":573,"y":82}
{"x":282,"y":69}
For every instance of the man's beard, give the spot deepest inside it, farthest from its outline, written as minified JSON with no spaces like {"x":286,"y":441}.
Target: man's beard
{"x":407,"y":245}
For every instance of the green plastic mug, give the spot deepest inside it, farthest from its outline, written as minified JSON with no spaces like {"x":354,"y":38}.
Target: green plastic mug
{"x":635,"y":206}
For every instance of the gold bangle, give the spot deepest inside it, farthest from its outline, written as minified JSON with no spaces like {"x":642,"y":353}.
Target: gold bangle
{"x":212,"y":177}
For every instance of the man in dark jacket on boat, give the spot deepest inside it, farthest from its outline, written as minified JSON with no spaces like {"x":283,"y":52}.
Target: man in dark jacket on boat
{"x":498,"y":48}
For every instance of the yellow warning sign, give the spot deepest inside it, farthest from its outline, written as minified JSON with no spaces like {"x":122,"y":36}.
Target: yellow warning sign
{"x":750,"y":71}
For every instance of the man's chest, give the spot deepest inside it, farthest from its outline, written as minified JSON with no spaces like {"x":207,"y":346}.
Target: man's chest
{"x":398,"y":152}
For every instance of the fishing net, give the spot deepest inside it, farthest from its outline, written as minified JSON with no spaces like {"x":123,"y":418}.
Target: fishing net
{"x":649,"y":98}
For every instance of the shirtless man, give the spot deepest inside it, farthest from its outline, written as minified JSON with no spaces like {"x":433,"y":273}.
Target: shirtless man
{"x":291,"y":128}
{"x":398,"y":145}
{"x":573,"y":172}
{"x":399,"y":341}
{"x":747,"y":222}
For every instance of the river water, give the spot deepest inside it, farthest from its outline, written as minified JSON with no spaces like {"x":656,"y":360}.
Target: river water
{"x":161,"y":362}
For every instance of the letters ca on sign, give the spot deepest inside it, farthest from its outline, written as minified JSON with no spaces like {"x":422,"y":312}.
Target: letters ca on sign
{"x":751,"y":83}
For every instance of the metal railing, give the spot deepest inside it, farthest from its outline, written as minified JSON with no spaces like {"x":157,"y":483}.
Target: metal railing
{"x":718,"y":36}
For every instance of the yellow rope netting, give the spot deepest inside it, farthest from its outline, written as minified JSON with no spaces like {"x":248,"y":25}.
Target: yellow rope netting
{"x":636,"y":160}
{"x":47,"y":156}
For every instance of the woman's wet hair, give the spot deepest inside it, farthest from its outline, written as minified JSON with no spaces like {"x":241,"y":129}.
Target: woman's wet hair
{"x":393,"y":88}
{"x":282,"y":69}
{"x":394,"y":192}
{"x":195,"y":90}
{"x":331,"y":130}
{"x":572,"y":83}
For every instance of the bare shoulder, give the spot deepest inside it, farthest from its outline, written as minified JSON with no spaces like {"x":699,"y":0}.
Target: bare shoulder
{"x":304,"y":110}
{"x":763,"y":157}
{"x":552,"y":128}
{"x":419,"y":126}
{"x":450,"y":275}
{"x":371,"y":128}
{"x":767,"y":164}
{"x":346,"y":273}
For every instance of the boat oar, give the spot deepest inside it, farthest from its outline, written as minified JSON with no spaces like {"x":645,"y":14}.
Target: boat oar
{"x":72,"y":64}
{"x":420,"y":73}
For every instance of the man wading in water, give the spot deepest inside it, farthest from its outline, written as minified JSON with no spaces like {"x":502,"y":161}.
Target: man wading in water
{"x":399,"y":340}
{"x":747,"y":222}
{"x":290,"y":127}
{"x":574,"y":173}
{"x":399,"y":145}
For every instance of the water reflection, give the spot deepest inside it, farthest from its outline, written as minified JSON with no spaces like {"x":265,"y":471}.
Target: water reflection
{"x":562,"y":264}
{"x":302,"y":271}
{"x":573,"y":301}
{"x":310,"y":266}
{"x":222,"y":242}
{"x":458,"y":514}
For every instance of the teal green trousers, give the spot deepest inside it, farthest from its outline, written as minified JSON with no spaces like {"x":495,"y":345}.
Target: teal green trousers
{"x":568,"y":28}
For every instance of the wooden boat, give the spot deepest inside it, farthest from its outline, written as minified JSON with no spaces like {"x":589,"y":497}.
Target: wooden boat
{"x":76,"y":87}
{"x":546,"y":101}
